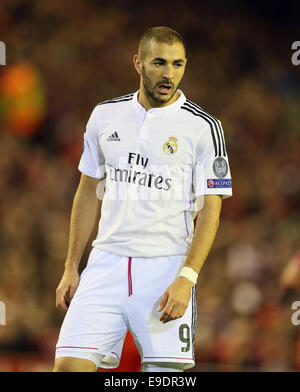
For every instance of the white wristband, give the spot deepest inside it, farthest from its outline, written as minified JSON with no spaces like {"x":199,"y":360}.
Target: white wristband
{"x":189,"y":273}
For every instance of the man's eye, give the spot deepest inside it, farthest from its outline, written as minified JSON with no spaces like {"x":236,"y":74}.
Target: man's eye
{"x":158,"y":63}
{"x":178,"y":65}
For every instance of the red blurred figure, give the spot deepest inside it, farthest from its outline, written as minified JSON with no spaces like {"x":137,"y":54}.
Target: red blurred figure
{"x":22,"y":99}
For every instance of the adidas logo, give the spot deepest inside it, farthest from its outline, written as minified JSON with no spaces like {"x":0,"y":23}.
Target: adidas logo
{"x":114,"y":137}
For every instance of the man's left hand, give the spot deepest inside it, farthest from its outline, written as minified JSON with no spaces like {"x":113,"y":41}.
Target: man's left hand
{"x":175,"y":299}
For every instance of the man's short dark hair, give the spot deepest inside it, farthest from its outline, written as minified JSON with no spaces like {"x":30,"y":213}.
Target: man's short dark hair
{"x":159,"y":34}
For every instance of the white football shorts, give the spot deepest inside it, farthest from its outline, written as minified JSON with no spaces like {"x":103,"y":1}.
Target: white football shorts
{"x":118,"y":293}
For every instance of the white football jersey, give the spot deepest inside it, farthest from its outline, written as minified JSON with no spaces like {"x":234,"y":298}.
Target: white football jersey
{"x":155,"y":163}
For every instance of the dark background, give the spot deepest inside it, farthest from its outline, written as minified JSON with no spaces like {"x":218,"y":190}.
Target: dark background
{"x":65,"y":57}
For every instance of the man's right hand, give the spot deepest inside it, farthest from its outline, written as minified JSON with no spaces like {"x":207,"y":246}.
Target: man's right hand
{"x":66,"y":289}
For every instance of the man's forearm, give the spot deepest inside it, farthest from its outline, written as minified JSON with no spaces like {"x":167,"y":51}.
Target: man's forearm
{"x":177,"y":296}
{"x":205,"y":231}
{"x":85,"y":210}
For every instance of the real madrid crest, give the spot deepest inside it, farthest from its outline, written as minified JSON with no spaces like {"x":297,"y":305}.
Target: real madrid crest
{"x":170,"y":147}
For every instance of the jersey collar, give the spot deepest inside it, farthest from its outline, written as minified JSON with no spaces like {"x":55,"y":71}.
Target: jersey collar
{"x":159,"y":111}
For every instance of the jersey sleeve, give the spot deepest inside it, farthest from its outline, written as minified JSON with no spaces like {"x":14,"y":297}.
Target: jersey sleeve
{"x":92,"y":162}
{"x":211,"y":173}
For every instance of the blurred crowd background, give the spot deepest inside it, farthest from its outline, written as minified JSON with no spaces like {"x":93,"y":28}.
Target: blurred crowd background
{"x":65,"y":57}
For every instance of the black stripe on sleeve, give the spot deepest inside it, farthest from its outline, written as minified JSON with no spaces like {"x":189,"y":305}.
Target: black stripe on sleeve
{"x":217,"y":129}
{"x":209,"y":118}
{"x":128,"y":97}
{"x":210,"y":125}
{"x":216,"y":122}
{"x":194,"y":317}
{"x":122,"y":97}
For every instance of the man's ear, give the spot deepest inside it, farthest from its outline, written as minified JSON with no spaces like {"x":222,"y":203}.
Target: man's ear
{"x":137,"y":64}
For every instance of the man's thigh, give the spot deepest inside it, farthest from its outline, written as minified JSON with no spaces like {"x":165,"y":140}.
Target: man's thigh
{"x":158,"y":342}
{"x":94,"y":322}
{"x":69,"y":364}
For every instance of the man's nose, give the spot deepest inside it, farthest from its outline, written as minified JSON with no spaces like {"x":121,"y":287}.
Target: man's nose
{"x":168,"y":72}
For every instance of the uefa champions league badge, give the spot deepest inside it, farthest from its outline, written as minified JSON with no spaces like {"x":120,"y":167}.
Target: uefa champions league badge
{"x":220,"y":167}
{"x":170,"y":147}
{"x":210,"y":183}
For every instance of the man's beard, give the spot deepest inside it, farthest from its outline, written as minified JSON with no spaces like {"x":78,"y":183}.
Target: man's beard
{"x":150,"y":90}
